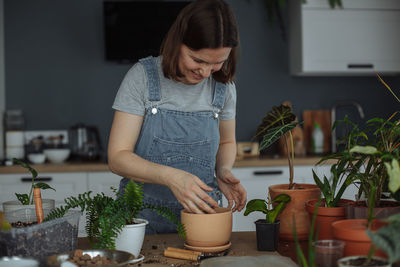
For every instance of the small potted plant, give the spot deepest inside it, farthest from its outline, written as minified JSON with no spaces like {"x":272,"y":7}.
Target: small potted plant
{"x":333,"y":207}
{"x":23,"y":233}
{"x":26,"y":200}
{"x":279,"y":122}
{"x":113,"y":223}
{"x":267,"y":229}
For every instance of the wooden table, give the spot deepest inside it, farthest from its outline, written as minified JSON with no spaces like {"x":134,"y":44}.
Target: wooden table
{"x":243,"y":244}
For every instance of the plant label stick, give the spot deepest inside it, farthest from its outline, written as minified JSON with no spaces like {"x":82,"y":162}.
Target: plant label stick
{"x":38,"y":204}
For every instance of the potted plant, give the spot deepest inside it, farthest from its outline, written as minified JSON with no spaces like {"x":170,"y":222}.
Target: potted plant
{"x":387,"y":238}
{"x":26,"y":200}
{"x":370,"y":156}
{"x":279,"y":121}
{"x":333,"y":207}
{"x":23,"y":234}
{"x":113,"y":223}
{"x":267,"y":230}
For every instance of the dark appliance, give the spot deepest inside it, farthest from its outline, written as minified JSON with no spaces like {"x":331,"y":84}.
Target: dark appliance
{"x":135,"y":29}
{"x":84,"y":142}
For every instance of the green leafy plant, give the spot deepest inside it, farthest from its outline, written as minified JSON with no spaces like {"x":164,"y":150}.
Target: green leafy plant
{"x":278,"y":122}
{"x":333,"y":189}
{"x":27,"y":199}
{"x":387,"y":238}
{"x":370,"y":157}
{"x":106,"y":216}
{"x":264,"y":206}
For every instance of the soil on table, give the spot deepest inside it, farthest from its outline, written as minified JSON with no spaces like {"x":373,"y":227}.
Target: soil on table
{"x":361,"y":262}
{"x":39,"y":243}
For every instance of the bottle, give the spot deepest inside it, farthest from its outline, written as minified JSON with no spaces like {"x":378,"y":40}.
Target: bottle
{"x":317,"y":140}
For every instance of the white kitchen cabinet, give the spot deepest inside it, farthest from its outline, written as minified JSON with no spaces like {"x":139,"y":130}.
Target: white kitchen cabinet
{"x":102,"y":182}
{"x":66,"y":184}
{"x":360,"y":39}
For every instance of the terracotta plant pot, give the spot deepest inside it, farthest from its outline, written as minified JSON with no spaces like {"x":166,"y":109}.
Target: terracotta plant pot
{"x":385,"y":209}
{"x":353,"y":232}
{"x":208,"y":230}
{"x":267,"y":235}
{"x":295,"y":209}
{"x":326,"y":216}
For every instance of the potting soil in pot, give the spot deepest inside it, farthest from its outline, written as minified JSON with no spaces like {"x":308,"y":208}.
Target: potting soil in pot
{"x":40,"y":240}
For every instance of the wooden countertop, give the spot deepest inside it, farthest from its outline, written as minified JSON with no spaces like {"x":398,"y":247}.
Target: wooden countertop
{"x":243,"y":244}
{"x":102,"y":166}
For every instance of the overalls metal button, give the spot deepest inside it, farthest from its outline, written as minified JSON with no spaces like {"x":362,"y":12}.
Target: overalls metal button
{"x":216,"y":115}
{"x":154,"y":111}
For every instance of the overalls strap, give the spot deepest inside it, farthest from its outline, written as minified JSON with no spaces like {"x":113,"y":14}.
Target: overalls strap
{"x":153,"y":80}
{"x":219,"y":95}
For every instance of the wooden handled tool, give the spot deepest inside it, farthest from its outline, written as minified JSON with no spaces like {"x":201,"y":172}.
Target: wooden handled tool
{"x":184,"y":254}
{"x":38,"y":204}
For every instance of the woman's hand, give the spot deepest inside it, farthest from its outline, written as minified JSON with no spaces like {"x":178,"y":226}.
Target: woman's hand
{"x":189,"y":191}
{"x":232,"y":189}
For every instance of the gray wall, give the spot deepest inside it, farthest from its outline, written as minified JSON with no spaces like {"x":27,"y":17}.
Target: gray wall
{"x":56,"y":72}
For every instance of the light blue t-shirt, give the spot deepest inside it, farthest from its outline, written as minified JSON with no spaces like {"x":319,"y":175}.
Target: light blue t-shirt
{"x":132,"y":96}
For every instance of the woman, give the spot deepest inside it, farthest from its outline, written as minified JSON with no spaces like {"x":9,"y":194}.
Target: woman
{"x":176,"y":113}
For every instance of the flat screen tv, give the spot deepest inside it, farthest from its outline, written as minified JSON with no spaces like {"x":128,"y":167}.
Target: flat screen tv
{"x":135,"y":29}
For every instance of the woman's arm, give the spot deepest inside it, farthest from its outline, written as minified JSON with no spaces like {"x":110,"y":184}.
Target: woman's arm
{"x":187,"y":188}
{"x":228,"y":183}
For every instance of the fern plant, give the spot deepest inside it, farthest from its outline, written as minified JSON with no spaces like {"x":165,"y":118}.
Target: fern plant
{"x":278,"y":122}
{"x":106,"y":216}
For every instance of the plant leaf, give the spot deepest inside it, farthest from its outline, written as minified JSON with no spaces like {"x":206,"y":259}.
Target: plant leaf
{"x":256,"y":205}
{"x":386,"y":238}
{"x":370,"y":150}
{"x":25,"y":165}
{"x":393,"y":171}
{"x":277,"y":116}
{"x":43,"y":186}
{"x":23,"y":198}
{"x":275,"y":133}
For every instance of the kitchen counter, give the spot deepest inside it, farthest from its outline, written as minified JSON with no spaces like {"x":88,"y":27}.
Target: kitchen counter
{"x":243,"y":244}
{"x":101,"y":166}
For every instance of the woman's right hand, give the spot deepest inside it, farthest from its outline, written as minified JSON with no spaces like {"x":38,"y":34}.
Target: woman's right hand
{"x":189,"y":190}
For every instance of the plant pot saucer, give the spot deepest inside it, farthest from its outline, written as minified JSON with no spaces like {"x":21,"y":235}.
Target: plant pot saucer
{"x":210,"y":249}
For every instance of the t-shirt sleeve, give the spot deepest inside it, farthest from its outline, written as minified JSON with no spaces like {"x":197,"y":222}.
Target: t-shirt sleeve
{"x":229,"y":110}
{"x":130,"y":97}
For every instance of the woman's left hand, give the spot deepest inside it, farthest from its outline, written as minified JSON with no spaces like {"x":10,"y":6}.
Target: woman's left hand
{"x":232,"y":189}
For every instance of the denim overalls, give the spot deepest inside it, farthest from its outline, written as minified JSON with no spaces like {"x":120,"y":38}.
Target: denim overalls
{"x":184,"y":140}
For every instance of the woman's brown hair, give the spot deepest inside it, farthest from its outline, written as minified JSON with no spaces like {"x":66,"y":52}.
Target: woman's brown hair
{"x":202,"y":24}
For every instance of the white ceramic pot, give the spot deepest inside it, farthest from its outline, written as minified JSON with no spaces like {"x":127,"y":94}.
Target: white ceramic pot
{"x":343,"y":262}
{"x":131,"y":237}
{"x":9,"y":206}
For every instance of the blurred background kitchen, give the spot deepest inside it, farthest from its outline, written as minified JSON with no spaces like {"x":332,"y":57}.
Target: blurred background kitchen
{"x":56,"y":79}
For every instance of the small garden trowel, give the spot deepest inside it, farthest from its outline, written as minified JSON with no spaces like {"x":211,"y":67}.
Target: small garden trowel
{"x":185,"y":254}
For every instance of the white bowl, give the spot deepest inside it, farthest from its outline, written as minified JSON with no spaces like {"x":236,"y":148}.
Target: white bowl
{"x":37,"y":158}
{"x":57,"y":155}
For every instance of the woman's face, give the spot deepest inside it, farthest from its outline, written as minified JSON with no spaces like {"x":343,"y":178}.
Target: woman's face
{"x":198,"y":65}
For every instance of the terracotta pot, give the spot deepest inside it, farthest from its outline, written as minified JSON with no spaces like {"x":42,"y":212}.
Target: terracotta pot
{"x":208,"y":230}
{"x":353,"y":232}
{"x":295,"y":208}
{"x":326,"y":216}
{"x":385,"y":209}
